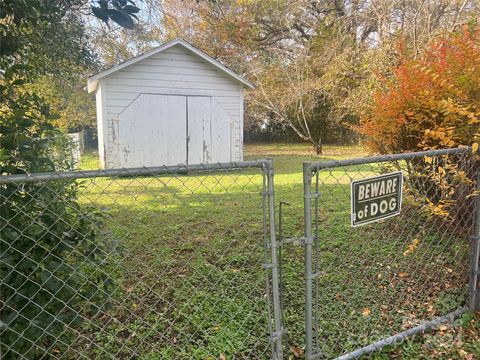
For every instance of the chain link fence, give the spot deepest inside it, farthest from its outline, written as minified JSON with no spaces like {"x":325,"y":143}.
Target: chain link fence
{"x":152,"y":263}
{"x":373,"y":285}
{"x":184,"y":262}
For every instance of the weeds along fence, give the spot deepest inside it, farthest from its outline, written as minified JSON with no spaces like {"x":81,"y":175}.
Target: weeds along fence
{"x":373,"y":285}
{"x":157,"y":263}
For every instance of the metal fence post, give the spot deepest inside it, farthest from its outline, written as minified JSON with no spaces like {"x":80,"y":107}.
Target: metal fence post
{"x":277,"y":312}
{"x":474,"y":293}
{"x":307,"y":183}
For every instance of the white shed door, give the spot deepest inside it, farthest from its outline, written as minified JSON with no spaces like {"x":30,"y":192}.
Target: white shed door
{"x":209,"y":131}
{"x":199,"y":140}
{"x":152,"y":131}
{"x":221,"y":134}
{"x":172,"y":129}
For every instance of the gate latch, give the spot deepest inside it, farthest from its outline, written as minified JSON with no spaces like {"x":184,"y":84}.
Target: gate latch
{"x":294,"y":241}
{"x":281,"y":241}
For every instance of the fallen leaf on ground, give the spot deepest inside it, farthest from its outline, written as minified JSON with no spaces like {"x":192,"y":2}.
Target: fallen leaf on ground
{"x":296,"y":351}
{"x":411,"y":247}
{"x":366,"y":312}
{"x":474,"y":147}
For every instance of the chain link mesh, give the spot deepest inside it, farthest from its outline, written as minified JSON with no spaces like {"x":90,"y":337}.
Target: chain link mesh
{"x":383,"y":278}
{"x":144,"y":264}
{"x":176,"y":262}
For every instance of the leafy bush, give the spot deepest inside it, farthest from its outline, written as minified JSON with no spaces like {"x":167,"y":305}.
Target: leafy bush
{"x":48,"y":241}
{"x":431,"y":103}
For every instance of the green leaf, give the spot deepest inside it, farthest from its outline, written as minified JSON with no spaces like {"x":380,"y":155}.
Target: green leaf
{"x":18,"y":82}
{"x":100,"y":13}
{"x":120,"y":3}
{"x":10,"y":234}
{"x":4,"y":155}
{"x":121,"y":18}
{"x":131,"y":9}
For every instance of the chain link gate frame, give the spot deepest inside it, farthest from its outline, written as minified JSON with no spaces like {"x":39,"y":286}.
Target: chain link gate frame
{"x":180,"y":182}
{"x":459,"y":160}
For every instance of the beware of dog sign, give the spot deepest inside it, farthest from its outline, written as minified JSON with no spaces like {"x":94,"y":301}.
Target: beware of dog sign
{"x":376,"y":198}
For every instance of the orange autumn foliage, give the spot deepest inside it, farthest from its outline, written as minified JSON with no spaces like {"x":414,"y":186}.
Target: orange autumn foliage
{"x":432,"y":102}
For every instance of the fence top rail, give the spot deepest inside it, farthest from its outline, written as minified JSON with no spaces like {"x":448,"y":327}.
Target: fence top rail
{"x":139,"y":171}
{"x":320,"y":165}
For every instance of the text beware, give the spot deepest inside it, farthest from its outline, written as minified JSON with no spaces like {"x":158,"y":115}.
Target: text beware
{"x":376,"y":198}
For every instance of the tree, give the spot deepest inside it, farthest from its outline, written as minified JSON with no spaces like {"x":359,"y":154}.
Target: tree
{"x":304,"y":93}
{"x":114,"y":46}
{"x":431,"y":102}
{"x":68,"y":99}
{"x":268,"y":35}
{"x":50,"y":36}
{"x":346,"y":44}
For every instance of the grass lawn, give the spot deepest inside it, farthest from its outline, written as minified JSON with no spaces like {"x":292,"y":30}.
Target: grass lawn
{"x":186,"y":255}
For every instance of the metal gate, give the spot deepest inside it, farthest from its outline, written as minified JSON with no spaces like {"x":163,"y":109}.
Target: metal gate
{"x":372,"y":286}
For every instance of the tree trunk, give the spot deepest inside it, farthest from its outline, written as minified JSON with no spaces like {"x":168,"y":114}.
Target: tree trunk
{"x":318,"y":147}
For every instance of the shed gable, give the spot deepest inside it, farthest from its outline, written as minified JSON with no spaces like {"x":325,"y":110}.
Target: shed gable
{"x":175,"y":71}
{"x":93,"y":81}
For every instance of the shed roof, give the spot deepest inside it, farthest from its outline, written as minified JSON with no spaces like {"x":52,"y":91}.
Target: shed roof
{"x":93,"y":80}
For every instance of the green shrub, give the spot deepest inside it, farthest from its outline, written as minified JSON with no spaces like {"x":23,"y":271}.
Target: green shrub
{"x":48,"y":242}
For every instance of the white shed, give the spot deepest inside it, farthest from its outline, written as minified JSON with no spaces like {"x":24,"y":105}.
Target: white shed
{"x":171,"y":105}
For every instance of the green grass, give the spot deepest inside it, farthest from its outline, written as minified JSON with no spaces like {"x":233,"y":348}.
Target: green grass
{"x":89,"y":160}
{"x":186,"y":264}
